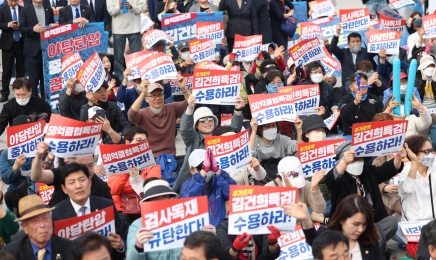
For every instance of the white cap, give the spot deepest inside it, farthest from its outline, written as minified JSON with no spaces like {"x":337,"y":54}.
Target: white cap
{"x":290,"y":62}
{"x":291,"y":166}
{"x":196,"y":157}
{"x":154,"y":86}
{"x":93,"y":111}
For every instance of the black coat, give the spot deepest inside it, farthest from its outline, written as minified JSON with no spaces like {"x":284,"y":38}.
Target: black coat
{"x":327,"y":97}
{"x":22,"y":249}
{"x":264,"y":26}
{"x":66,"y":15}
{"x":59,"y":3}
{"x":28,"y":19}
{"x":7,"y":36}
{"x":277,"y":11}
{"x":100,"y":11}
{"x":370,"y":178}
{"x":242,"y":21}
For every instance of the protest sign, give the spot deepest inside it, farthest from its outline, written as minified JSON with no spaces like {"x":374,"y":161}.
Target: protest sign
{"x":132,"y":61}
{"x":354,"y":19}
{"x":117,"y":158}
{"x":44,"y":191}
{"x":388,"y":40}
{"x":231,"y":152}
{"x":270,"y":108}
{"x":201,"y":49}
{"x":307,"y":51}
{"x":253,"y":208}
{"x":220,"y":87}
{"x":101,"y":221}
{"x":392,"y":24}
{"x":151,"y":37}
{"x":294,"y":245}
{"x":315,"y":156}
{"x":330,"y":64}
{"x":210,"y":30}
{"x":71,"y":64}
{"x":429,"y":25}
{"x":63,"y":40}
{"x":310,"y":30}
{"x":399,"y":4}
{"x":92,"y":73}
{"x":146,"y":23}
{"x":175,"y":89}
{"x":23,"y":139}
{"x":247,"y":48}
{"x":412,"y":230}
{"x":331,"y":120}
{"x":390,"y":13}
{"x":226,"y":119}
{"x":157,"y":67}
{"x":173,"y":220}
{"x":207,"y":64}
{"x":321,"y":8}
{"x":71,"y":138}
{"x":305,"y":98}
{"x":378,"y":138}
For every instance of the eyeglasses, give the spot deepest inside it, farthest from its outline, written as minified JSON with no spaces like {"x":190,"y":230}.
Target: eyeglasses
{"x":155,"y":96}
{"x":203,"y":119}
{"x":139,"y":140}
{"x":427,"y":151}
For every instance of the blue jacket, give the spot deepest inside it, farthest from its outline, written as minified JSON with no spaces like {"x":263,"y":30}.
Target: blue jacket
{"x":217,"y":194}
{"x":13,"y":179}
{"x":388,"y":93}
{"x":128,"y":96}
{"x":385,"y":70}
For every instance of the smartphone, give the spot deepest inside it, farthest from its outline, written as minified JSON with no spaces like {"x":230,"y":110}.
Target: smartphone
{"x":15,"y":22}
{"x":100,"y":113}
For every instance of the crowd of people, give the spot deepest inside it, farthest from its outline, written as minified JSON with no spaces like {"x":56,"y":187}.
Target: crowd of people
{"x":356,"y":202}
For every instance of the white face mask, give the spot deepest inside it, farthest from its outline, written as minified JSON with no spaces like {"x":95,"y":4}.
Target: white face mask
{"x":78,"y":88}
{"x":185,"y":55}
{"x":270,"y":134}
{"x":23,"y":102}
{"x":138,"y":87}
{"x":355,"y":168}
{"x":316,"y":78}
{"x":403,"y":89}
{"x":272,"y":56}
{"x":429,"y":71}
{"x":315,"y":136}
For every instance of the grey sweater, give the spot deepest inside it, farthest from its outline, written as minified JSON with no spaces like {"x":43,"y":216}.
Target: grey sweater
{"x":281,"y":147}
{"x":195,"y":8}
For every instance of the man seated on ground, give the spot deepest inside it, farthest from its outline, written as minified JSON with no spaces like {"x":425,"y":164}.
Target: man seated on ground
{"x":91,"y":246}
{"x":331,"y":244}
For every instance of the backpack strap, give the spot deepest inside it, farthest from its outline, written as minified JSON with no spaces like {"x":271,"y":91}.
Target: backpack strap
{"x":275,"y":182}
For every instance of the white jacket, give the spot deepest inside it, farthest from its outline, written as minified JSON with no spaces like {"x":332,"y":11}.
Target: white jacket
{"x":417,"y":124}
{"x":241,"y":176}
{"x":129,"y":22}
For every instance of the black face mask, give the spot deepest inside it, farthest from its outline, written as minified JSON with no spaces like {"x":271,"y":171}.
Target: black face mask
{"x":102,"y":104}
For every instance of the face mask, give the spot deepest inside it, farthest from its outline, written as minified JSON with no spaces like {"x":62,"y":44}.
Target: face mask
{"x":138,"y":87}
{"x":270,"y":134}
{"x":355,"y":48}
{"x":272,"y":56}
{"x":209,"y":176}
{"x":363,"y":97}
{"x":23,"y":102}
{"x":235,"y":68}
{"x":156,"y":110}
{"x":427,"y":160}
{"x":102,"y":104}
{"x":185,"y":55}
{"x":272,"y":88}
{"x":316,"y":78}
{"x":78,"y":88}
{"x":355,"y":168}
{"x":391,"y":59}
{"x":316,"y":136}
{"x":429,"y":71}
{"x":403,"y":88}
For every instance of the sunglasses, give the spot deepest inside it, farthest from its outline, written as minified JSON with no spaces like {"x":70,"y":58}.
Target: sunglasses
{"x":427,"y":151}
{"x":203,"y":119}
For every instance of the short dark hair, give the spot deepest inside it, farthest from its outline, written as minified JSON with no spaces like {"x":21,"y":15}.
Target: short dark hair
{"x":382,"y":117}
{"x":131,"y":132}
{"x":428,"y":233}
{"x":22,"y":82}
{"x":267,"y":64}
{"x":326,"y":239}
{"x":272,"y":74}
{"x":73,"y":167}
{"x":354,"y":35}
{"x":89,"y":242}
{"x":364,"y":65}
{"x":312,"y":66}
{"x":353,"y":77}
{"x":205,"y":239}
{"x":415,"y":142}
{"x":6,"y":256}
{"x":266,"y":55}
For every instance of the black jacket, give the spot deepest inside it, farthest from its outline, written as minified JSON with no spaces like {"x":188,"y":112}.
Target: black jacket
{"x":422,"y":253}
{"x":7,"y":36}
{"x":370,"y":178}
{"x":100,"y":12}
{"x":28,"y":19}
{"x":70,"y":106}
{"x":11,"y":110}
{"x":66,"y":15}
{"x":364,"y":112}
{"x":371,"y":252}
{"x":226,"y":240}
{"x":264,"y":25}
{"x":115,"y":116}
{"x":22,"y":249}
{"x":420,"y":85}
{"x":277,"y":11}
{"x":59,"y":3}
{"x":260,"y":87}
{"x":327,"y":97}
{"x":242,"y":21}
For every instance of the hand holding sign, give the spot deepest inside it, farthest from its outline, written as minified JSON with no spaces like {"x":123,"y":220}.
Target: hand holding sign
{"x":241,"y":241}
{"x":274,"y":236}
{"x":116,"y":241}
{"x":143,"y":235}
{"x":358,"y":98}
{"x":19,"y":162}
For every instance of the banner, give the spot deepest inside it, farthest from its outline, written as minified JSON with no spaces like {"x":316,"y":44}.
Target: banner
{"x":390,"y":13}
{"x":253,"y":208}
{"x":201,"y":49}
{"x":117,"y":158}
{"x":378,"y":138}
{"x":329,"y":63}
{"x":429,"y":25}
{"x":389,"y":40}
{"x":399,"y":4}
{"x":157,"y":67}
{"x":101,"y":221}
{"x":173,"y":220}
{"x":392,"y":24}
{"x":315,"y":156}
{"x":321,"y":8}
{"x":71,"y":64}
{"x":232,"y":152}
{"x":412,"y":230}
{"x":220,"y":87}
{"x":294,"y":245}
{"x":132,"y":61}
{"x":307,"y":51}
{"x":247,"y":48}
{"x":354,"y":19}
{"x":146,"y":23}
{"x":175,"y":89}
{"x":305,"y":98}
{"x":270,"y":108}
{"x":71,"y":138}
{"x":210,"y":30}
{"x":23,"y":139}
{"x":331,"y":121}
{"x":63,"y":40}
{"x":44,"y":191}
{"x":92,"y":73}
{"x":310,"y":31}
{"x":208,"y":65}
{"x":153,"y":36}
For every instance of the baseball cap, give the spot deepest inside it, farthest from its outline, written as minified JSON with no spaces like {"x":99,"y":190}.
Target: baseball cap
{"x":402,"y":76}
{"x":196,"y":157}
{"x":291,"y":166}
{"x":154,"y":86}
{"x":93,"y":111}
{"x":183,"y":45}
